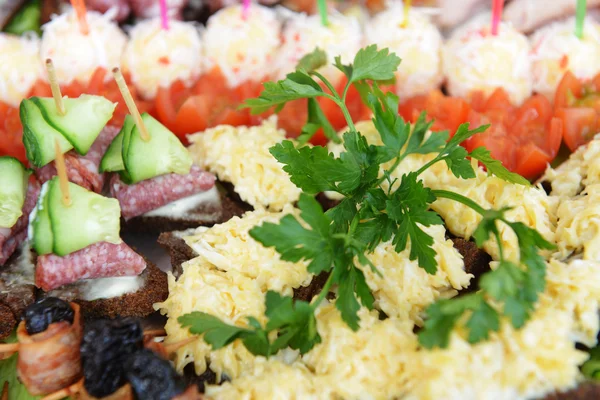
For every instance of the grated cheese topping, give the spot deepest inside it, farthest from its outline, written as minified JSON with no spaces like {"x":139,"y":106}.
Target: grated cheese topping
{"x":404,"y":290}
{"x":240,"y":155}
{"x":370,"y":363}
{"x":578,"y":227}
{"x":475,"y":60}
{"x":20,"y":66}
{"x":156,"y":57}
{"x":76,"y":56}
{"x":243,"y":49}
{"x":228,"y":279}
{"x":303,"y":33}
{"x":229,"y":247}
{"x":580,"y":170}
{"x":520,"y":364}
{"x":272,"y":380}
{"x":556,"y":49}
{"x":418,"y":44}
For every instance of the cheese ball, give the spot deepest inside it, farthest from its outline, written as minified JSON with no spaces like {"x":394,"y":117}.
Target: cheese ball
{"x":418,"y":44}
{"x":155,"y":57}
{"x":20,"y":67}
{"x":243,"y":49}
{"x":555,"y":50}
{"x":475,"y":60}
{"x":303,"y":33}
{"x":76,"y":55}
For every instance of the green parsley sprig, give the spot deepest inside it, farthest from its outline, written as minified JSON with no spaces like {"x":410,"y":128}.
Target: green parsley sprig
{"x":375,"y":209}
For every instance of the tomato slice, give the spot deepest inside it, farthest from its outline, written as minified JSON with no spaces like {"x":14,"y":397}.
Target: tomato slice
{"x":531,"y":161}
{"x":191,"y":117}
{"x":580,"y":124}
{"x":568,"y":88}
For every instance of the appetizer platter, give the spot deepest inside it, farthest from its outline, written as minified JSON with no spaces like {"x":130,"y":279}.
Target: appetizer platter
{"x":299,"y":200}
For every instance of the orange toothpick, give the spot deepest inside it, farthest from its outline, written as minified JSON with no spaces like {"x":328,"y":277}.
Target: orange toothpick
{"x":55,"y":87}
{"x":79,"y":6}
{"x":133,"y":110}
{"x":7,"y":349}
{"x":407,"y":4}
{"x":62,"y":174}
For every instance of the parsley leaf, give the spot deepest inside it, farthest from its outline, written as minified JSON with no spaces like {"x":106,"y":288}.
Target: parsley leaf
{"x":409,"y":206}
{"x":317,"y":120}
{"x":312,"y":61}
{"x":495,"y":167}
{"x":377,"y":65}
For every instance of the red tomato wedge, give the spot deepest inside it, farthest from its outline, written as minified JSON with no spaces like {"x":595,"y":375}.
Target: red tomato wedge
{"x":568,"y":88}
{"x":580,"y":125}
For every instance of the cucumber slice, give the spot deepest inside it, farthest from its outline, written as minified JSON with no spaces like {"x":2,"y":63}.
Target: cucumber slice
{"x":113,"y":158}
{"x":89,"y":219}
{"x":38,"y":136}
{"x":83,"y":121}
{"x":162,"y":154}
{"x":41,"y":236}
{"x":13,"y":189}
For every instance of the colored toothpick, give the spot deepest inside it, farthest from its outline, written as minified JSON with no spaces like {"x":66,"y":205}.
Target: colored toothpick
{"x":579,"y":17}
{"x":497,"y":6}
{"x":81,"y":12}
{"x":164,"y":14}
{"x":133,"y":110}
{"x":58,"y":100}
{"x":407,"y":4}
{"x":323,"y":11}
{"x":245,"y":9}
{"x":63,"y":178}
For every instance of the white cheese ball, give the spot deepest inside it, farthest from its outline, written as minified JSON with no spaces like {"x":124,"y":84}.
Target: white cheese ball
{"x":555,"y":50}
{"x":302,"y":34}
{"x":475,"y":60}
{"x":20,"y":67}
{"x":418,"y":44}
{"x":156,"y":57}
{"x":76,"y":55}
{"x":243,"y":49}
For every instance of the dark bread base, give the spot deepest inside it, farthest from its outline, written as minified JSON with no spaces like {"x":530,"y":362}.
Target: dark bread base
{"x":179,"y":251}
{"x":585,"y":391}
{"x":8,"y":322}
{"x":136,"y":304}
{"x":14,"y":296}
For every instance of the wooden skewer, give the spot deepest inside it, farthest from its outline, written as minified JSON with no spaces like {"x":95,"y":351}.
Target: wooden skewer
{"x":155,"y":332}
{"x":62,"y":174}
{"x":9,"y":347}
{"x":60,"y":106}
{"x":5,"y":391}
{"x":173,"y":347}
{"x":133,"y":110}
{"x":79,"y":6}
{"x":68,"y":391}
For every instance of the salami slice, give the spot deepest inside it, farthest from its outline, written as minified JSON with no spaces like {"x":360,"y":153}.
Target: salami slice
{"x":99,"y":260}
{"x":11,"y":238}
{"x":153,"y":193}
{"x":83,"y":170}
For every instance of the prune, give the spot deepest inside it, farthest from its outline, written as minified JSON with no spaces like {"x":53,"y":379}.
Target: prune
{"x":39,"y":315}
{"x":151,"y":377}
{"x":105,"y":346}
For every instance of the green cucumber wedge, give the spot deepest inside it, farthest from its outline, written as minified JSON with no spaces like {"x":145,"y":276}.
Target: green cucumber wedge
{"x":113,"y":158}
{"x":38,"y":136}
{"x":40,"y":232}
{"x":89,"y":219}
{"x":83,"y":121}
{"x":162,"y":154}
{"x":13,"y":189}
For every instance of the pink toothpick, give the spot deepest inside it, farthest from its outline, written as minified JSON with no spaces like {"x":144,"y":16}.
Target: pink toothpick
{"x":245,"y":9}
{"x":164,"y":17}
{"x":497,"y":7}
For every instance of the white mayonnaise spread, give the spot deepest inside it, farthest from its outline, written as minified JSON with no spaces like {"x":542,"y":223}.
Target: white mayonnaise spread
{"x":181,"y":208}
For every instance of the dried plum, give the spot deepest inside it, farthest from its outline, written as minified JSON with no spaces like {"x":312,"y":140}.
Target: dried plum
{"x":105,"y":346}
{"x":151,"y":377}
{"x":39,"y":315}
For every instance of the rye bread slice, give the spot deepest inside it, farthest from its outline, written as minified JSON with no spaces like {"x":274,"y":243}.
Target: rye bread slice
{"x":136,"y":304}
{"x":17,"y":290}
{"x":230,"y":205}
{"x":585,"y":391}
{"x":177,"y":248}
{"x":8,"y":322}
